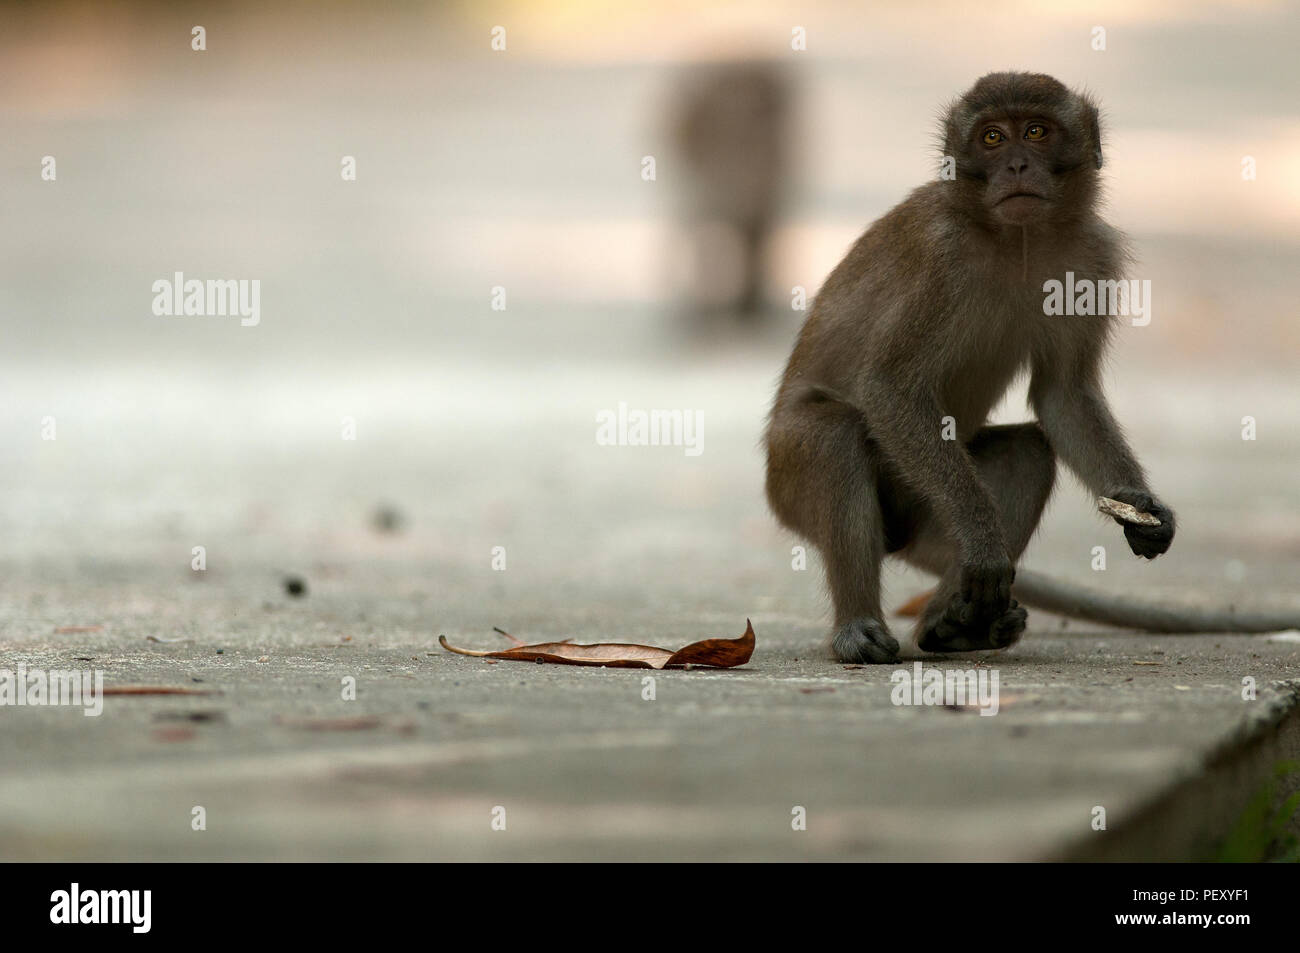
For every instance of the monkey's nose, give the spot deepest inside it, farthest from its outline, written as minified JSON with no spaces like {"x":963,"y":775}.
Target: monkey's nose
{"x":1018,"y":165}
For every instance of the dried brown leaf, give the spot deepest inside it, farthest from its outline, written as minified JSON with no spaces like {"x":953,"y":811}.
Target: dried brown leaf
{"x":914,"y":606}
{"x":153,"y":690}
{"x":718,"y":653}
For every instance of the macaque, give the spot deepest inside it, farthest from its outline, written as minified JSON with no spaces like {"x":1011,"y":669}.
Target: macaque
{"x":732,"y":130}
{"x":877,"y":442}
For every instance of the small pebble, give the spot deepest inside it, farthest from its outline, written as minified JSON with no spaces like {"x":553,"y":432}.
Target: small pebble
{"x":387,"y":519}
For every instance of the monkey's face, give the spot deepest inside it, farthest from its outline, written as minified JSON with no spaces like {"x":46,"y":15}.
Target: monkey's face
{"x":1017,"y":155}
{"x":1027,"y":149}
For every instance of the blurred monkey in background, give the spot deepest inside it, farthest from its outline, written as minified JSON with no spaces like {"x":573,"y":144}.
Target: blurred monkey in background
{"x":731,"y":129}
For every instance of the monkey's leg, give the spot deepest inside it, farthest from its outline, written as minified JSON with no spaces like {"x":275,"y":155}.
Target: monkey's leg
{"x":1017,"y":465}
{"x":821,"y":484}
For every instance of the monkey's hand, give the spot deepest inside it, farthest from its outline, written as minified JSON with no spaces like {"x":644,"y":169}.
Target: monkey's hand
{"x":1146,"y":541}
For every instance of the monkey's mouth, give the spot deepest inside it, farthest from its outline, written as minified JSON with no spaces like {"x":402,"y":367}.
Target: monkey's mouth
{"x":1020,"y":207}
{"x":1022,"y":195}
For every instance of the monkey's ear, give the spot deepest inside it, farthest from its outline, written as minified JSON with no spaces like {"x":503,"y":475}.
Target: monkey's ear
{"x":951,"y":130}
{"x":1094,"y":131}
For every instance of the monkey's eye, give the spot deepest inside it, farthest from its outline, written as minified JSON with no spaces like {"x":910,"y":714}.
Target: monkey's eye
{"x":992,"y":137}
{"x":1036,"y":131}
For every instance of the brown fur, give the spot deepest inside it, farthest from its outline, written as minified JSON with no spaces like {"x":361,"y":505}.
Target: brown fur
{"x":932,"y":313}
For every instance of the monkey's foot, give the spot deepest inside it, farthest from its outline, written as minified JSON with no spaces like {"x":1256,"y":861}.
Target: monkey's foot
{"x":864,"y":640}
{"x":948,"y":633}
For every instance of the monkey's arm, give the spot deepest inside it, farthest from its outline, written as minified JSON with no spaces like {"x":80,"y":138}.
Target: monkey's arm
{"x":1083,"y":432}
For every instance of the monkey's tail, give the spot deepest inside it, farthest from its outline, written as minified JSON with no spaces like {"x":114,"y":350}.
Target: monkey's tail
{"x":1079,"y":602}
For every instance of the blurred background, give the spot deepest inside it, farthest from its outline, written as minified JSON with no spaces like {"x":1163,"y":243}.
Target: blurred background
{"x":524,"y":169}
